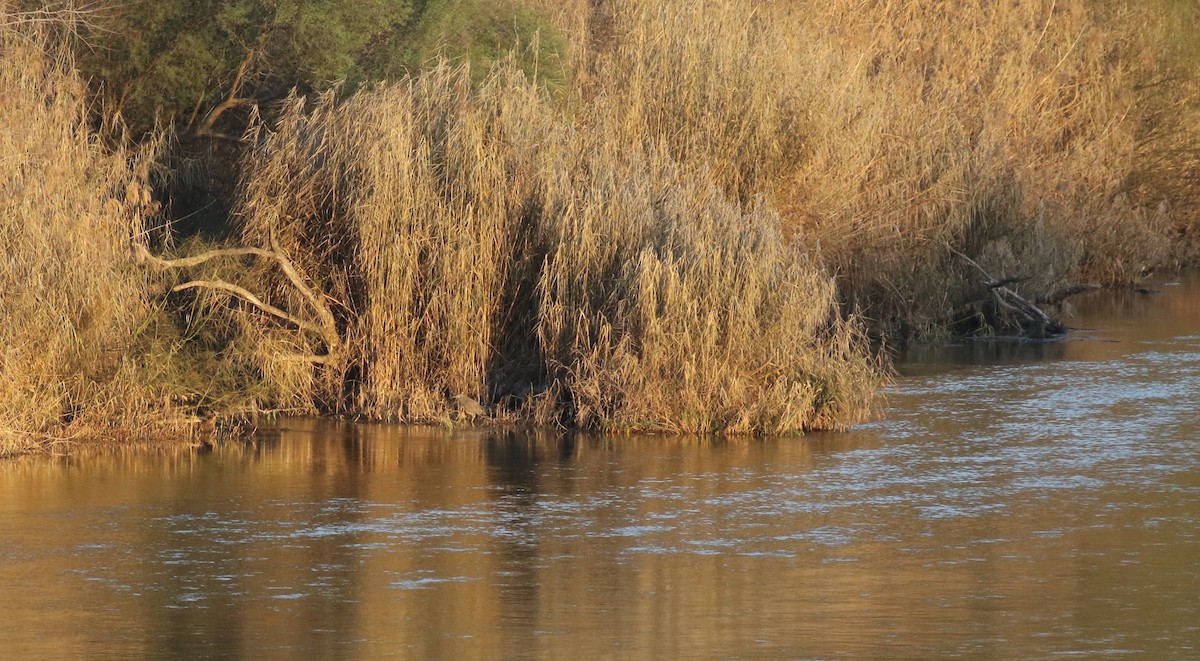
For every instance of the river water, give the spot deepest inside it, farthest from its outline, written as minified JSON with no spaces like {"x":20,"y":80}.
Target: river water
{"x":1016,"y":501}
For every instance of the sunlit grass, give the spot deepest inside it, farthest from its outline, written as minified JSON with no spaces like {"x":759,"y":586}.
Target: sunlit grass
{"x":72,"y":301}
{"x":691,"y":231}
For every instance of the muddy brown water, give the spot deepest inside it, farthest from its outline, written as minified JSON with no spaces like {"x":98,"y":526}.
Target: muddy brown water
{"x":1016,"y":501}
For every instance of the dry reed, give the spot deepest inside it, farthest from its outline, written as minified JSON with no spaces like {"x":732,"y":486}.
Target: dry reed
{"x":667,"y":306}
{"x":1046,"y":139}
{"x":403,"y":205}
{"x":1009,"y":132}
{"x":71,"y":297}
{"x":482,"y":245}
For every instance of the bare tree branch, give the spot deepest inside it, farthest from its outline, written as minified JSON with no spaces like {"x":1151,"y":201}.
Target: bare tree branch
{"x":250,"y":298}
{"x":187,"y":262}
{"x":328,"y":323}
{"x":1061,"y":294}
{"x":325,"y":327}
{"x":234,"y":98}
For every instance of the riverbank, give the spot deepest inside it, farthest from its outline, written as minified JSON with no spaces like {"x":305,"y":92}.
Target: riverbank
{"x":696,"y":228}
{"x":1006,"y":506}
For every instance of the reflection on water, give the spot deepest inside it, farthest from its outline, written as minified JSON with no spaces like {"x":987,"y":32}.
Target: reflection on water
{"x":1015,"y":503}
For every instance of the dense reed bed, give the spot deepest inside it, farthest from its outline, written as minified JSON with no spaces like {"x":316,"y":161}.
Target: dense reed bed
{"x":693,"y":230}
{"x":1023,"y":135}
{"x":71,"y":297}
{"x":405,"y":206}
{"x":480,"y":245}
{"x":1051,"y":140}
{"x":674,"y":227}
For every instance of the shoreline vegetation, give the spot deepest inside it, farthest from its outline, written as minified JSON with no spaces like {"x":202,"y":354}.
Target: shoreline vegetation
{"x":626,"y":215}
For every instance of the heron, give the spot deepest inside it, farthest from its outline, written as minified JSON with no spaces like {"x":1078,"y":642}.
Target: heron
{"x":468,"y":408}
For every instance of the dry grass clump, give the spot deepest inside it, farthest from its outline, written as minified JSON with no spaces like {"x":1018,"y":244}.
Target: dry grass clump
{"x":404,"y":205}
{"x":666,"y":306}
{"x":702,"y":77}
{"x":71,"y":299}
{"x":473,"y":242}
{"x":1170,"y":160}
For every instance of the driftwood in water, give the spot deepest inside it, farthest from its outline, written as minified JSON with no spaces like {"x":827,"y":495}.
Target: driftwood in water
{"x":1004,"y":309}
{"x":1033,"y":321}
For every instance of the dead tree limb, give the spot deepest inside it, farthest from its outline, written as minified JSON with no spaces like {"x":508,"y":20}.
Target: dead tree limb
{"x":326,"y":325}
{"x":1044,"y":324}
{"x":187,"y":262}
{"x":1005,"y":282}
{"x":1035,"y":321}
{"x":328,"y":322}
{"x":1056,"y":296}
{"x":246,"y":295}
{"x":232,"y":99}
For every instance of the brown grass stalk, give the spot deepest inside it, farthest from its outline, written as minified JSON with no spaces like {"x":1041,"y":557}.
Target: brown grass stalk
{"x":71,"y":297}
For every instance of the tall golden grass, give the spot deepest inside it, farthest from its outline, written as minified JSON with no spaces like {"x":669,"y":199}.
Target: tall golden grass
{"x":666,"y":305}
{"x":657,"y":252}
{"x":71,"y":297}
{"x":404,"y":205}
{"x":694,"y":235}
{"x":1011,"y":132}
{"x":1050,"y":139}
{"x":478,"y":243}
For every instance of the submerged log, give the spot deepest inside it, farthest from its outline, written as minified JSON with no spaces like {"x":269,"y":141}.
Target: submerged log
{"x":1005,"y":308}
{"x":1033,"y":321}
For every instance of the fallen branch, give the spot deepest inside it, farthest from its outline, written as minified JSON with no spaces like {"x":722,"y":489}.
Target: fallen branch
{"x":1056,"y":296}
{"x":1005,"y":282}
{"x":71,"y":17}
{"x":326,"y":325}
{"x":1035,"y":321}
{"x":1044,"y":323}
{"x":144,"y":255}
{"x":250,"y":298}
{"x":328,"y":322}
